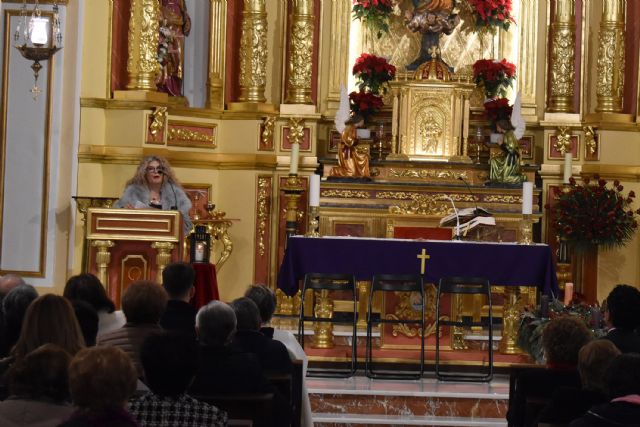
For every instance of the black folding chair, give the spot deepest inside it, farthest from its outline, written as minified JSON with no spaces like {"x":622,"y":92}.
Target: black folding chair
{"x":464,"y":286}
{"x":395,"y":283}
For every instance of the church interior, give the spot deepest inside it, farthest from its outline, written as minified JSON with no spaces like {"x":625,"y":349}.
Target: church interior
{"x":336,"y":135}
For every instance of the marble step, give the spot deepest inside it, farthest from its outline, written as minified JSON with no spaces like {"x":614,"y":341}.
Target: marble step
{"x":362,"y":420}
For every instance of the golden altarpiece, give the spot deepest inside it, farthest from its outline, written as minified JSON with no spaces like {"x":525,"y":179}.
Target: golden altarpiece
{"x":271,"y":88}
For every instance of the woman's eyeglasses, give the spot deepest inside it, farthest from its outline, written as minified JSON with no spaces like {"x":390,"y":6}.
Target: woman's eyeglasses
{"x":158,"y":169}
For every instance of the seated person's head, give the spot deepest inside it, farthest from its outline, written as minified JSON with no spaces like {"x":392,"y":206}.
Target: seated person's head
{"x":101,"y":378}
{"x":87,"y":287}
{"x":562,"y":339}
{"x":15,"y":304}
{"x":623,"y":307}
{"x":88,"y":320}
{"x":178,"y":279}
{"x":169,"y":352}
{"x":247,"y":314}
{"x":9,"y":282}
{"x":623,"y":375}
{"x":215,"y":323}
{"x":265,"y":299}
{"x":144,"y":302}
{"x":42,"y":374}
{"x":593,"y":361}
{"x":49,"y":319}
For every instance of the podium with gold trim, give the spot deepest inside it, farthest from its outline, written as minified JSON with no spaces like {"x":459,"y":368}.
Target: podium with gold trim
{"x":125,"y":245}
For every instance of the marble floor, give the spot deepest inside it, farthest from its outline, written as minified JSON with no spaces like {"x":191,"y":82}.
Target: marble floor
{"x":360,"y":401}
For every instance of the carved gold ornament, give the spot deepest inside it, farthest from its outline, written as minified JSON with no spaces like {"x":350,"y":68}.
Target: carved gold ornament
{"x":346,"y":194}
{"x":563,"y":140}
{"x":427,"y":174}
{"x":300,"y":53}
{"x":422,"y":204}
{"x":267,"y":131}
{"x":296,"y":131}
{"x":253,"y":52}
{"x":611,"y":57}
{"x":264,"y":194}
{"x":409,"y":308}
{"x":563,"y":37}
{"x":158,"y":120}
{"x":590,"y":141}
{"x":144,"y":35}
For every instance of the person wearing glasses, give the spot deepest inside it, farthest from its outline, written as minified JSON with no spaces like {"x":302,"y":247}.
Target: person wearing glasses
{"x":154,"y":185}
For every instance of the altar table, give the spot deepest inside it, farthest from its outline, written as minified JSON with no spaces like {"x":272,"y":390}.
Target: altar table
{"x":504,"y":264}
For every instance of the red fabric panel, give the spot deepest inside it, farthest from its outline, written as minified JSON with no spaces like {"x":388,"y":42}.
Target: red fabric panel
{"x":206,"y":284}
{"x":430,"y":233}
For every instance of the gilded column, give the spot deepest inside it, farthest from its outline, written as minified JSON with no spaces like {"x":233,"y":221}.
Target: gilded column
{"x":163,"y":258}
{"x":103,"y":258}
{"x":338,"y":52}
{"x":253,"y":52}
{"x":610,"y":83}
{"x":563,"y":49}
{"x":143,"y":45}
{"x":300,"y":53}
{"x":217,"y":44}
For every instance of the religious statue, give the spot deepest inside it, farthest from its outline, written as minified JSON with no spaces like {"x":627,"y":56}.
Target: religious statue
{"x":430,"y":18}
{"x":505,"y":168}
{"x":175,"y":25}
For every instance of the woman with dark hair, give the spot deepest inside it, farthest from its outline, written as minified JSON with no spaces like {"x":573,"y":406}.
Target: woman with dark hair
{"x":155,"y":186}
{"x":88,"y":288}
{"x":38,"y":389}
{"x":14,"y":307}
{"x":623,"y":304}
{"x":101,"y":380}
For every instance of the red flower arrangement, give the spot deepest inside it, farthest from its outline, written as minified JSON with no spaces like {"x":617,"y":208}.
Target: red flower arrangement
{"x":490,"y":14}
{"x":373,"y":73}
{"x":497,"y":109}
{"x":494,"y":76}
{"x":374,"y":14}
{"x":594,"y":214}
{"x":365,"y":103}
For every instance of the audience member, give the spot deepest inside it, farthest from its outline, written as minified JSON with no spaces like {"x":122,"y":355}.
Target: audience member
{"x":14,"y":307}
{"x":569,"y":403}
{"x":273,"y":355}
{"x":143,"y":304}
{"x":562,"y":339}
{"x":623,"y":313}
{"x":101,"y":380}
{"x":265,"y":299}
{"x":167,"y":404}
{"x":87,"y":287}
{"x":623,"y":385}
{"x":9,"y":282}
{"x":177,"y":280}
{"x":39,"y":389}
{"x":88,"y":320}
{"x":223,"y":368}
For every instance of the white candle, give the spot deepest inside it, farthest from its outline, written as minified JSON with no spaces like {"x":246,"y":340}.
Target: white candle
{"x":465,"y":124}
{"x":39,"y":36}
{"x":199,"y":252}
{"x":295,"y":153}
{"x":527,"y":198}
{"x":314,"y":190}
{"x":568,"y":293}
{"x":567,"y":167}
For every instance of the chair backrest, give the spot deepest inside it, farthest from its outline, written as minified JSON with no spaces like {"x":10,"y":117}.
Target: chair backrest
{"x":464,"y":285}
{"x":397,"y":282}
{"x":256,"y":407}
{"x":332,"y":282}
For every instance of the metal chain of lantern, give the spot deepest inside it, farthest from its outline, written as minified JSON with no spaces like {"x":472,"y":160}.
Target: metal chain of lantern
{"x":35,"y":38}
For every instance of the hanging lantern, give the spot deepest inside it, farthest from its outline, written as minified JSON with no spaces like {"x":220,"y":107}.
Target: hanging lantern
{"x":200,"y":245}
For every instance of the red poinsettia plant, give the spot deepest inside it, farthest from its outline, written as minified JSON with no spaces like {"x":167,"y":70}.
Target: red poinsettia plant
{"x":595,"y":214}
{"x":498,"y":109}
{"x":494,"y":76}
{"x":374,"y":14}
{"x":365,"y":103}
{"x":492,"y":14}
{"x":373,"y":73}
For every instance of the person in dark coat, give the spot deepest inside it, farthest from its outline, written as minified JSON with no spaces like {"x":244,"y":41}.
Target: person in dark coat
{"x":178,"y":279}
{"x":562,"y":339}
{"x":623,"y":313}
{"x":569,"y":403}
{"x":272,"y":354}
{"x":623,"y":384}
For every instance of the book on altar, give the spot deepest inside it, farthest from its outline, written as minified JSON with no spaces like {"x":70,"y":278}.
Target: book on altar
{"x":465,"y":215}
{"x":472,"y":223}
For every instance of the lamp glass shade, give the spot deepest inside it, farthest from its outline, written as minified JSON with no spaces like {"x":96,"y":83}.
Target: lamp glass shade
{"x":200,"y":241}
{"x":39,"y":34}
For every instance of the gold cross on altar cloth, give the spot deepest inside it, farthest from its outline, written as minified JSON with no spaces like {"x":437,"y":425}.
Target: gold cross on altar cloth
{"x":423,"y":257}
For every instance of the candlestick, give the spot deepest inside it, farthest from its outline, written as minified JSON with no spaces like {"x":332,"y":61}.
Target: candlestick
{"x":295,"y":153}
{"x":567,"y":167}
{"x":568,"y":293}
{"x":527,"y":198}
{"x":465,"y":125}
{"x":314,"y":190}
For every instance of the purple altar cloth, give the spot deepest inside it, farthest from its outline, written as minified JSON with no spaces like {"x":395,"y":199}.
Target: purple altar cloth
{"x":504,"y":264}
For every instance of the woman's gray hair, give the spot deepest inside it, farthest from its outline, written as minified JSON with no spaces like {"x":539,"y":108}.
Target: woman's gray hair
{"x":215,"y":323}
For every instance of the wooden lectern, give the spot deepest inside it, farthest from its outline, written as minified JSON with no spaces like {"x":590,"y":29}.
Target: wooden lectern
{"x":126,"y":245}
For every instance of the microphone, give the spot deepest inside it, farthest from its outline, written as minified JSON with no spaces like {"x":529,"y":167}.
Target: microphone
{"x":175,"y":198}
{"x":473,"y":196}
{"x":457,"y":229}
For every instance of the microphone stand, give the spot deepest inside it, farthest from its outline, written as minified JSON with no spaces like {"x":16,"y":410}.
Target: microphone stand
{"x":457,"y":229}
{"x":473,"y":196}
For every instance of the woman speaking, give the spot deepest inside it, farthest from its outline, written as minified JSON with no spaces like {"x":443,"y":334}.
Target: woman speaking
{"x":155,"y":186}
